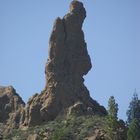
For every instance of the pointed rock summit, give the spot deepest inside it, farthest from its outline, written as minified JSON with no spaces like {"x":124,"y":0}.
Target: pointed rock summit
{"x":11,"y":107}
{"x":65,"y":92}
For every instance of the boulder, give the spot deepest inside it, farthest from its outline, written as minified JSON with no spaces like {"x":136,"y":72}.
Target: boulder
{"x":33,"y":137}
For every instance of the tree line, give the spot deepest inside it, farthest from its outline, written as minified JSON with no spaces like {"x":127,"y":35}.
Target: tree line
{"x":132,"y":125}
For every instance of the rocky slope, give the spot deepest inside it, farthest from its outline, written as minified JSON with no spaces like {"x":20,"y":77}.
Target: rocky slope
{"x":70,"y":128}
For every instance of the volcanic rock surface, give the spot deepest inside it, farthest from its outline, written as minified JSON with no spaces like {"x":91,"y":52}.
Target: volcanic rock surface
{"x":65,"y":92}
{"x":11,"y":106}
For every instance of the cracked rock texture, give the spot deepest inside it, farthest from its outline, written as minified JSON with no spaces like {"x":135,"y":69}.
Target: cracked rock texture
{"x":65,"y":92}
{"x":11,"y":106}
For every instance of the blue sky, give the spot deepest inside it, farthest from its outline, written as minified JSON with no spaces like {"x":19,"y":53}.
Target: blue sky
{"x":112,"y":33}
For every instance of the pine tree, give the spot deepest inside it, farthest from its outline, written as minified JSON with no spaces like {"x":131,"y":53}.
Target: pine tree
{"x":134,"y":130}
{"x":112,"y":108}
{"x":112,"y":119}
{"x":134,"y":109}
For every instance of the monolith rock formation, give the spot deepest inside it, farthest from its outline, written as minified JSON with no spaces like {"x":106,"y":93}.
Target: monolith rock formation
{"x":64,"y":110}
{"x":65,"y":92}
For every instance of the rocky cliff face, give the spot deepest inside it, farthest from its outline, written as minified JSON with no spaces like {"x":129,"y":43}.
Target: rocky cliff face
{"x":11,"y":106}
{"x":65,"y":92}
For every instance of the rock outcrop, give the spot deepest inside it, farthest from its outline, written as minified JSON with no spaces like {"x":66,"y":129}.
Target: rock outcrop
{"x":65,"y":92}
{"x":11,"y":106}
{"x":33,"y":137}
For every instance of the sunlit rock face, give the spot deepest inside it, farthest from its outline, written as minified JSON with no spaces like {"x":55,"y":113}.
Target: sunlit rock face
{"x":11,"y":107}
{"x":65,"y":92}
